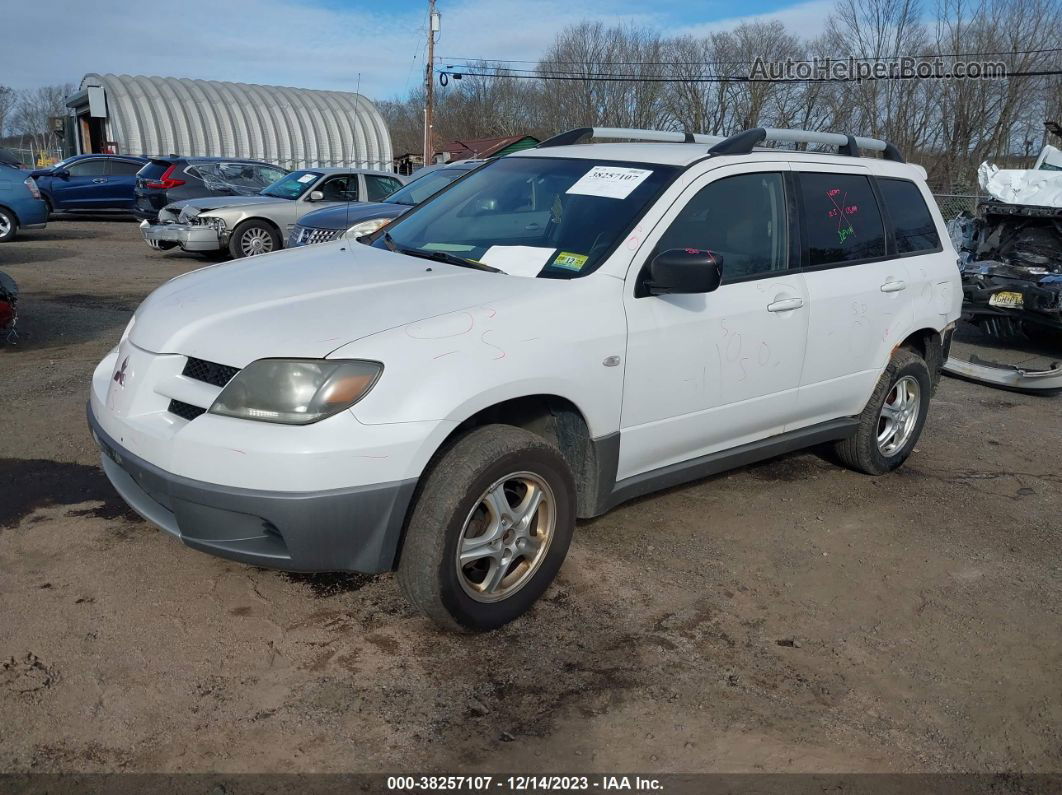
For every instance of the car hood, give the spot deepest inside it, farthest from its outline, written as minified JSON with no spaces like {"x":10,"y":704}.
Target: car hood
{"x":305,"y":302}
{"x":346,"y":215}
{"x":221,"y":202}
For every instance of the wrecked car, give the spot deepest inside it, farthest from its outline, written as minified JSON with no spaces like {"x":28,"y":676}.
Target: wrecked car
{"x":165,"y":180}
{"x":8,"y":308}
{"x":243,"y":226}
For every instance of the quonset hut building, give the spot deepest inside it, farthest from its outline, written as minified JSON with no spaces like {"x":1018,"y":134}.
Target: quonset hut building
{"x":292,"y":127}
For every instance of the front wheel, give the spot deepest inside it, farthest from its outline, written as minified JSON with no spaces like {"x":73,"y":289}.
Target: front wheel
{"x":253,"y":237}
{"x":490,"y":529}
{"x":893,"y":419}
{"x":8,"y":225}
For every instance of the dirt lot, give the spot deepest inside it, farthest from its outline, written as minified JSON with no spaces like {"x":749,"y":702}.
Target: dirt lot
{"x":790,"y":616}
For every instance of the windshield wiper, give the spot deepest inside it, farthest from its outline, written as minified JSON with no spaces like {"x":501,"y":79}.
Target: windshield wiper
{"x":444,"y":256}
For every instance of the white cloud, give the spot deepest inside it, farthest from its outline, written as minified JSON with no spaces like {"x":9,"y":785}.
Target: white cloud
{"x":804,"y":20}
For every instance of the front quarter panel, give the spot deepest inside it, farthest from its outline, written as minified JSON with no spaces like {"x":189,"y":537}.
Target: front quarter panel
{"x":552,"y":340}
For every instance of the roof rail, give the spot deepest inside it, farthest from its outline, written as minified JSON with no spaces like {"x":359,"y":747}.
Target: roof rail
{"x":744,"y":142}
{"x":581,"y":133}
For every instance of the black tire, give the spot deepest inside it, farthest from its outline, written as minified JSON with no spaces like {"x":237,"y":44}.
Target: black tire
{"x":48,"y":204}
{"x":10,"y":222}
{"x":861,"y":451}
{"x":261,"y":229}
{"x":454,"y":487}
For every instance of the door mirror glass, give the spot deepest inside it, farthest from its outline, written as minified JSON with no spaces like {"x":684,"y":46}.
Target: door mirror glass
{"x":684,"y":270}
{"x":315,"y":196}
{"x":62,"y":173}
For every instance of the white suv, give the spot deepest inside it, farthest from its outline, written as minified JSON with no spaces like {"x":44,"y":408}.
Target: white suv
{"x":556,"y":332}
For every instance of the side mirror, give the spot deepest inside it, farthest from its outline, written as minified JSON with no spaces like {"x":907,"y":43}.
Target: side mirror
{"x":684,"y":270}
{"x":62,"y":173}
{"x":315,"y":196}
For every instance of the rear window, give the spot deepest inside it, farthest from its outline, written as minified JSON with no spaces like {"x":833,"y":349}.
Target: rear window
{"x":913,"y":226}
{"x":841,"y":219}
{"x":154,"y":169}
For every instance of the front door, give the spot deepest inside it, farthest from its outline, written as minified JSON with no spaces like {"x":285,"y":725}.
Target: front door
{"x":84,"y":188}
{"x":713,"y":371}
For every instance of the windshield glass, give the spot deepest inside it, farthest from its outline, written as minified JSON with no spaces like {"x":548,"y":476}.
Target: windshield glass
{"x":292,"y":186}
{"x":428,"y":185}
{"x":532,"y":216}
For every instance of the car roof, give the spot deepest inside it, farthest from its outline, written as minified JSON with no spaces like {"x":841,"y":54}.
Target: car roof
{"x":334,"y":170}
{"x":683,"y":154}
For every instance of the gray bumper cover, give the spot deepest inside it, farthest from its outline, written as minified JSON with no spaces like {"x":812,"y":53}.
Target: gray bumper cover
{"x":356,"y":529}
{"x":187,"y":236}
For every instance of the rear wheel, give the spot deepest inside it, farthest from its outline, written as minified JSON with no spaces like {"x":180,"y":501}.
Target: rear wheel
{"x":892,"y":421}
{"x":490,"y":529}
{"x":8,"y":225}
{"x":253,"y":237}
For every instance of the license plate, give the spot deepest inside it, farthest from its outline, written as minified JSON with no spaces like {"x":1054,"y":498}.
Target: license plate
{"x":1007,"y":300}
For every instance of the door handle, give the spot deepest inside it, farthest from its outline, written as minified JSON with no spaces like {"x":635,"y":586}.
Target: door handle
{"x":893,"y":287}
{"x":785,"y":305}
{"x":99,"y":180}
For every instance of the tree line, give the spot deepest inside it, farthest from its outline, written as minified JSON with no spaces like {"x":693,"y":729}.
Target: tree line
{"x":695,"y":83}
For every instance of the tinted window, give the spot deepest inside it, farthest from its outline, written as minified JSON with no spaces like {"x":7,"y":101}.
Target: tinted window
{"x":154,"y":169}
{"x":841,"y":218}
{"x":742,"y":218}
{"x":96,"y":167}
{"x":123,"y":168}
{"x":340,"y":189}
{"x":379,"y":188}
{"x":913,"y":225}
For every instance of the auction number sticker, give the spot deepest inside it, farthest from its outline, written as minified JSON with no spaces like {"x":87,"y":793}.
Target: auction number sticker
{"x":612,"y":182}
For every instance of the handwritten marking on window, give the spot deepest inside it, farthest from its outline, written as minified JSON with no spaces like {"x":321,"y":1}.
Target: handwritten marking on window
{"x":842,"y":212}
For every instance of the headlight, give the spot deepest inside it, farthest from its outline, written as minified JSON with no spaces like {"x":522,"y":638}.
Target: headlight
{"x":217,"y":224}
{"x":365,"y":228}
{"x":296,"y":391}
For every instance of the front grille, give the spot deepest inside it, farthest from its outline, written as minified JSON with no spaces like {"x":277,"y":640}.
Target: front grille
{"x":308,"y":235}
{"x":209,"y":372}
{"x":185,"y":410}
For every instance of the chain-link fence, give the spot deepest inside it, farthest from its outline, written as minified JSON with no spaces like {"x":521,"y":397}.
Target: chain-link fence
{"x":32,"y":157}
{"x":953,"y":204}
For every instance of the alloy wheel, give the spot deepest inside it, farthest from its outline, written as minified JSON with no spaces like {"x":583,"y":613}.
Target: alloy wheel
{"x":256,"y":241}
{"x":899,"y":415}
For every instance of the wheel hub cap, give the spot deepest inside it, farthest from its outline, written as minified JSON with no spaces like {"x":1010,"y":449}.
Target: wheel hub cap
{"x":899,"y":415}
{"x":505,"y":537}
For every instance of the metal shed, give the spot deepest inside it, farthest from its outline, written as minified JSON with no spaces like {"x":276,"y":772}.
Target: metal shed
{"x":292,"y":127}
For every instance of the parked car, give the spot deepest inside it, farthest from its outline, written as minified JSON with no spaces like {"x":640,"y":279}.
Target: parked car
{"x":358,"y":219}
{"x":21,"y":206}
{"x":244,"y":226}
{"x":90,"y":182}
{"x":8,"y":309}
{"x":9,"y":158}
{"x":165,"y":180}
{"x":563,"y":329}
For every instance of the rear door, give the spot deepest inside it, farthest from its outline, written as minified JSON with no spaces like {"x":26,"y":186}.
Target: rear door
{"x":378,"y":187}
{"x":859,"y":291}
{"x":119,"y":191}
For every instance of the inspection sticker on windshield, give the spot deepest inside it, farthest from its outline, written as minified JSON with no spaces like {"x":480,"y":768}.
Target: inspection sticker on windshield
{"x":569,"y":261}
{"x":307,"y":178}
{"x":612,"y":182}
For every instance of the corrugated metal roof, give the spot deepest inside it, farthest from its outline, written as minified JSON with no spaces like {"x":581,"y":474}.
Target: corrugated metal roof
{"x":294,"y":127}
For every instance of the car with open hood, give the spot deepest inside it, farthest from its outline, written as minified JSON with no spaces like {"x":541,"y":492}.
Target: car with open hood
{"x":243,"y":226}
{"x":559,"y":331}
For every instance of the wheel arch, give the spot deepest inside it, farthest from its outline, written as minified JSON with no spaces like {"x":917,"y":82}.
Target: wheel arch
{"x":562,"y":423}
{"x":929,"y":344}
{"x":14,"y":214}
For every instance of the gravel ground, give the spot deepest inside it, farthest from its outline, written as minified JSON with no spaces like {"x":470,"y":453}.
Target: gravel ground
{"x":789,"y":616}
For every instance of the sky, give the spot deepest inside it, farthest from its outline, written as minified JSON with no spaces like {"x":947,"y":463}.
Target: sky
{"x":341,"y":45}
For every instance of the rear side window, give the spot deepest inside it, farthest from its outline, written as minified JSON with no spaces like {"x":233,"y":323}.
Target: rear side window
{"x":379,"y":188}
{"x":841,"y":219}
{"x":913,"y":226}
{"x":154,"y":169}
{"x":124,"y":168}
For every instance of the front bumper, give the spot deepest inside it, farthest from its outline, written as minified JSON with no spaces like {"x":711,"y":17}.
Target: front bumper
{"x":189,"y":237}
{"x":354,"y":529}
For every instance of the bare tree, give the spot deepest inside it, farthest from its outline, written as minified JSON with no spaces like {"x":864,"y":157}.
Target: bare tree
{"x":8,"y":97}
{"x":34,"y":111}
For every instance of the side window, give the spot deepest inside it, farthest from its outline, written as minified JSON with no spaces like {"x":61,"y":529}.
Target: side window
{"x":741,"y":218}
{"x":124,"y":168}
{"x":379,"y":188}
{"x":340,"y":189}
{"x":96,"y":167}
{"x":841,"y":217}
{"x":913,"y":226}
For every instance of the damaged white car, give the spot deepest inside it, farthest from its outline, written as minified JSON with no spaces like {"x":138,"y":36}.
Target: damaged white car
{"x":243,"y":226}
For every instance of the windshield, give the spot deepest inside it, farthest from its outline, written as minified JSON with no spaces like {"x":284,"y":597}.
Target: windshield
{"x":532,"y":216}
{"x":291,"y":186}
{"x":428,"y":185}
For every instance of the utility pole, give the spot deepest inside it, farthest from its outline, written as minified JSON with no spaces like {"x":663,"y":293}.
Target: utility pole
{"x":429,"y":83}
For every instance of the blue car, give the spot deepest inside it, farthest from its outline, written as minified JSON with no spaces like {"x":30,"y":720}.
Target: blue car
{"x":90,"y":182}
{"x":21,"y":206}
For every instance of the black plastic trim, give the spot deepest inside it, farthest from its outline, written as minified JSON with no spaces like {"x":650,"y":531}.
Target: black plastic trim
{"x":567,"y":138}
